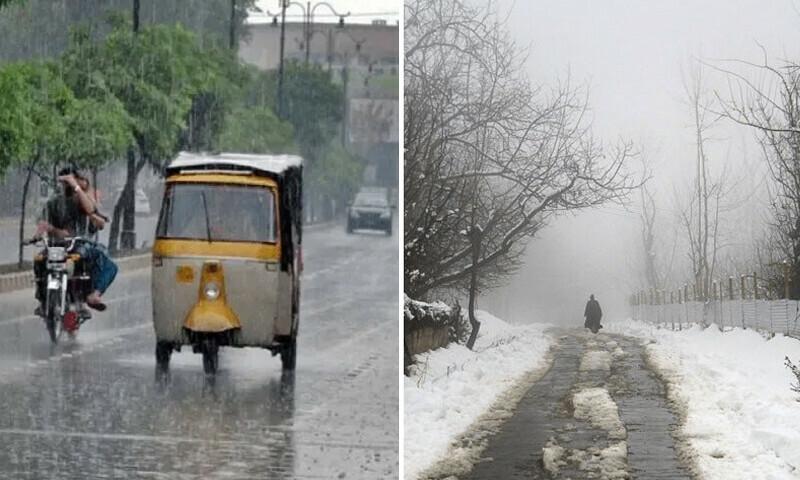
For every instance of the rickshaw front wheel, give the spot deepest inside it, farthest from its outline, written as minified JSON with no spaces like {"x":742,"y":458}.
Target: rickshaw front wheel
{"x":163,"y":354}
{"x":289,"y":355}
{"x":210,"y":350}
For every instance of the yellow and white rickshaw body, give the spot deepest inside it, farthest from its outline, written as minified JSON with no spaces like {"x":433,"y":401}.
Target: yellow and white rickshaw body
{"x":238,"y":290}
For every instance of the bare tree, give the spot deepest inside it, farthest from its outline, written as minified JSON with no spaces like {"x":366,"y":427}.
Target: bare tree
{"x":700,"y":215}
{"x":648,"y":220}
{"x":770,"y":104}
{"x":489,"y":158}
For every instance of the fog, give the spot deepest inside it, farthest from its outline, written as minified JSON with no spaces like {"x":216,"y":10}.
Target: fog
{"x":633,"y":58}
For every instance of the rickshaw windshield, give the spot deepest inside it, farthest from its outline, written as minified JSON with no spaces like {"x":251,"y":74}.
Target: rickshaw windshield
{"x":218,"y":212}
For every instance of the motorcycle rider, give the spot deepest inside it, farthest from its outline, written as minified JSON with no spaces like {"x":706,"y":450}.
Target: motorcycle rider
{"x":593,"y":313}
{"x":72,"y":212}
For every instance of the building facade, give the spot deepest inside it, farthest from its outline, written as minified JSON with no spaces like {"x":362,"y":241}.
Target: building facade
{"x":364,"y":59}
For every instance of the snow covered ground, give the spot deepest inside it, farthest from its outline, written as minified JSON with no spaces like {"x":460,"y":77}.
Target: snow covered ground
{"x":742,"y":421}
{"x":451,"y":387}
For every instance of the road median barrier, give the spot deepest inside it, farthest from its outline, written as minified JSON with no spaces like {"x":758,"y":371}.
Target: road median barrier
{"x":10,"y":282}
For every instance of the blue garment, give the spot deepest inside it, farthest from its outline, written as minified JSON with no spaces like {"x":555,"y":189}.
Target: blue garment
{"x":103,"y":269}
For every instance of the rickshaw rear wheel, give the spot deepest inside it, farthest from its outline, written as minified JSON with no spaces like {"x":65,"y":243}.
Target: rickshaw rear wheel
{"x":210,"y":350}
{"x":163,"y":354}
{"x":289,"y":355}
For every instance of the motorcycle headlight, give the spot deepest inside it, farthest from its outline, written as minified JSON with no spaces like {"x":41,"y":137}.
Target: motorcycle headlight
{"x":211,"y":291}
{"x":56,"y":254}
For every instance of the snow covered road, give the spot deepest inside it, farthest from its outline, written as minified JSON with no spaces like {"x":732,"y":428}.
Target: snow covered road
{"x":597,"y":412}
{"x":92,"y":409}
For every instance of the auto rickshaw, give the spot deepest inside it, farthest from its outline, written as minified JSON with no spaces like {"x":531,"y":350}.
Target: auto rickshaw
{"x":227,"y":256}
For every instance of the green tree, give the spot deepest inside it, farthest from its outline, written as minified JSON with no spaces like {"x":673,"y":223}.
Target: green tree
{"x":37,"y":131}
{"x":16,"y":125}
{"x":337,"y":174}
{"x":39,"y":28}
{"x":155,"y":74}
{"x":98,"y":126}
{"x":256,"y":130}
{"x":313,"y":104}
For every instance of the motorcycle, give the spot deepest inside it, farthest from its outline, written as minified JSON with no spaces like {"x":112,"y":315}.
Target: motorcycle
{"x":65,"y":284}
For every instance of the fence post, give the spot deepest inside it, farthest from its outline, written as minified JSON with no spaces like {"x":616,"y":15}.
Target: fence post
{"x":742,"y":280}
{"x":730,"y":288}
{"x":755,"y":286}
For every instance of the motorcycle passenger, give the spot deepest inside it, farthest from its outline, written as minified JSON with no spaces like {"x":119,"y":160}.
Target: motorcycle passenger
{"x":72,"y":212}
{"x":593,"y":314}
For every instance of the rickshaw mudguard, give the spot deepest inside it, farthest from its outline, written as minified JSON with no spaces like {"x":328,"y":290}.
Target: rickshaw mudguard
{"x":211,"y":315}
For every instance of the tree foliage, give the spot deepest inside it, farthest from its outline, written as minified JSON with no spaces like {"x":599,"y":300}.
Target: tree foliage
{"x":39,"y":28}
{"x":255,"y":130}
{"x":110,"y":93}
{"x":17,"y":133}
{"x":313,"y":104}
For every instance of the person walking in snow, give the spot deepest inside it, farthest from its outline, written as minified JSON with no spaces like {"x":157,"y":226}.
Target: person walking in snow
{"x":593,"y":314}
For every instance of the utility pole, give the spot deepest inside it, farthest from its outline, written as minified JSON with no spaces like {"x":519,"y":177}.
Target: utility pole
{"x":135,"y":16}
{"x":284,"y":4}
{"x":232,"y":27}
{"x":345,"y":78}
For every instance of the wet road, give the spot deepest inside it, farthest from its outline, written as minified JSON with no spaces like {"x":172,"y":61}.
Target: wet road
{"x":91,"y":408}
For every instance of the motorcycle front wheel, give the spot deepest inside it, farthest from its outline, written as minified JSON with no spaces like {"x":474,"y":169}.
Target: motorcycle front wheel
{"x":53,"y":320}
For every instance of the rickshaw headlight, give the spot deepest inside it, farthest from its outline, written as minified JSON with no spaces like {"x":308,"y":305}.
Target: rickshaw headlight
{"x":211,"y":291}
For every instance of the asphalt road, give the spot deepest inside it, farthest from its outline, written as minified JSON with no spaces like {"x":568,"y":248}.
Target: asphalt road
{"x":92,"y":408}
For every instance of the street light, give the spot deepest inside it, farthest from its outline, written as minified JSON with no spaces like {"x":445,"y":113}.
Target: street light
{"x":308,"y":20}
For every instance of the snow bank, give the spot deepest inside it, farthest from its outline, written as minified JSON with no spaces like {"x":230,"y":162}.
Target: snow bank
{"x":437,"y":312}
{"x":451,"y":387}
{"x":741,"y":419}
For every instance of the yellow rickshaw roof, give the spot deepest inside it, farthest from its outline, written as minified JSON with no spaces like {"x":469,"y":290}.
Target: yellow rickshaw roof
{"x":269,"y":164}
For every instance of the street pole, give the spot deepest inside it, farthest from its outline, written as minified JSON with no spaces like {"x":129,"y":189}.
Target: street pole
{"x":307,"y":30}
{"x":345,"y":78}
{"x":232,"y":27}
{"x":135,"y":16}
{"x":280,"y":64}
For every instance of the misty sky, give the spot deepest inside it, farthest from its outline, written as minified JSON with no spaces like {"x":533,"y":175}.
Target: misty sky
{"x":362,"y":11}
{"x":632,"y":55}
